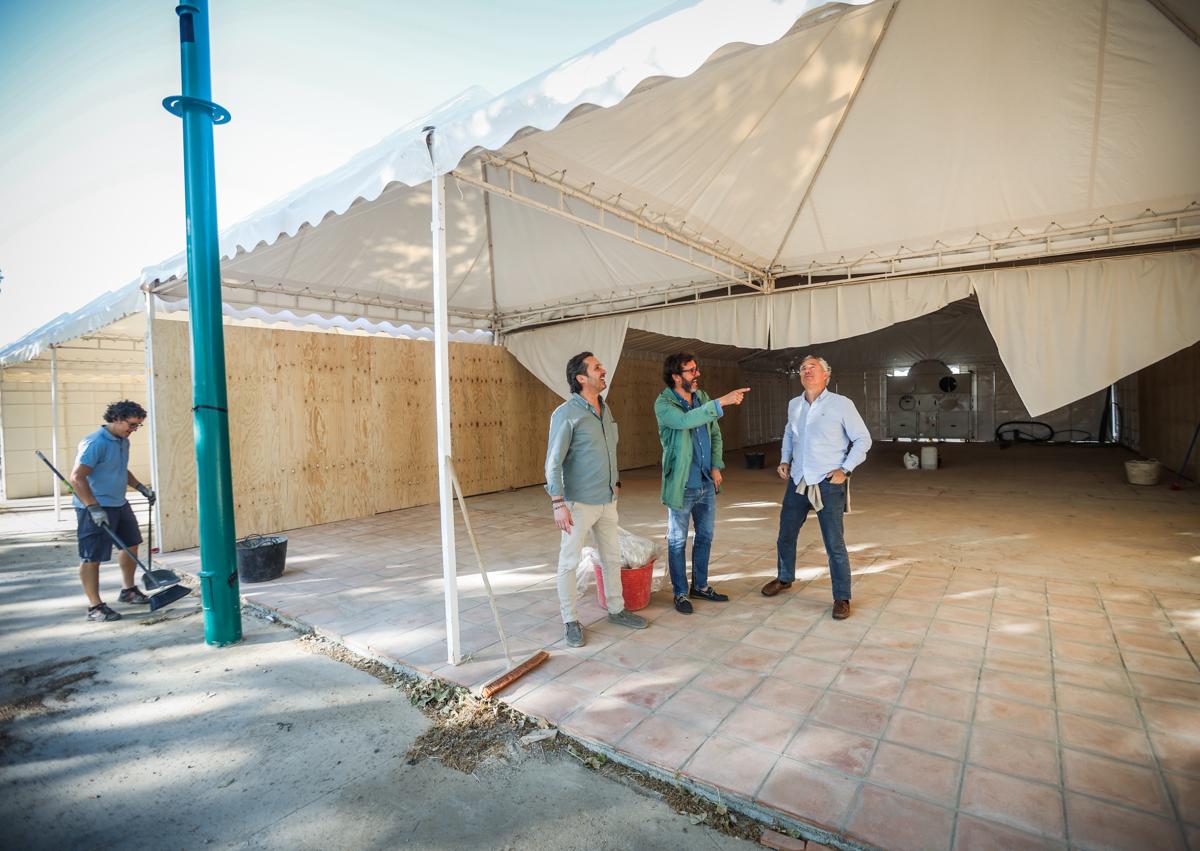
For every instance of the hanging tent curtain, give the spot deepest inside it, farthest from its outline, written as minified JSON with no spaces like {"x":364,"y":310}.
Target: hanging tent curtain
{"x":731,"y":322}
{"x":1063,"y":331}
{"x":821,"y":315}
{"x":1068,"y":330}
{"x":545,"y":351}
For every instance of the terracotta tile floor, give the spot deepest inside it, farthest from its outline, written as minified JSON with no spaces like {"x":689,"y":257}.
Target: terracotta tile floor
{"x":1019,"y":669}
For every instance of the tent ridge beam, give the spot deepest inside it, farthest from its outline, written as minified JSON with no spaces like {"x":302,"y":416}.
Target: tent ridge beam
{"x":1055,"y":241}
{"x":357,"y":299}
{"x":750,"y":275}
{"x":648,"y":301}
{"x":1175,"y":19}
{"x":836,"y":132}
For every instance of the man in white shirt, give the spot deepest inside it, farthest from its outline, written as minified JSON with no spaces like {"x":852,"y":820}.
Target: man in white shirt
{"x":825,"y":439}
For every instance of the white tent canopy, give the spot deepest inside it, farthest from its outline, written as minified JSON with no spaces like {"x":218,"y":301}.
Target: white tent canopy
{"x":745,"y":142}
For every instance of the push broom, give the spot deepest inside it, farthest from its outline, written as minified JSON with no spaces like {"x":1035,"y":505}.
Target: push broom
{"x":514,"y":672}
{"x":154,"y":580}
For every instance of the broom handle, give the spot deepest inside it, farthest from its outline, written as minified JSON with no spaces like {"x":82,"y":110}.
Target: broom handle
{"x":110,"y":532}
{"x":487,"y":584}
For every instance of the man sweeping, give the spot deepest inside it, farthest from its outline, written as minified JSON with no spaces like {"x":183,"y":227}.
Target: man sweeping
{"x":100,"y":478}
{"x":583,"y":482}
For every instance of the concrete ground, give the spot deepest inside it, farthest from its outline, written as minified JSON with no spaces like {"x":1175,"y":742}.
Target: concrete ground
{"x":136,"y":735}
{"x":1019,"y":669}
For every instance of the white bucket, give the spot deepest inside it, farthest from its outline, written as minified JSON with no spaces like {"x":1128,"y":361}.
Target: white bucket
{"x":1142,"y":472}
{"x":929,"y":458}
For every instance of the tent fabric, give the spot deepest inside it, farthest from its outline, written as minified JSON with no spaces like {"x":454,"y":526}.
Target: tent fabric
{"x":545,"y":351}
{"x":819,"y":315}
{"x":672,"y":44}
{"x":788,"y":133}
{"x":93,"y":316}
{"x":1067,"y":330}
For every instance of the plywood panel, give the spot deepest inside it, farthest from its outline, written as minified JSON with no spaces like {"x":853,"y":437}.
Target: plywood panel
{"x":251,"y":391}
{"x":527,"y":406}
{"x":479,"y":433}
{"x":404,"y":431}
{"x":1168,"y":402}
{"x":173,"y":433}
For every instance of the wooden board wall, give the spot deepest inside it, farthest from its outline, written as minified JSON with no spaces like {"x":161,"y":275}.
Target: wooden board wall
{"x":327,"y":427}
{"x":1168,"y":401}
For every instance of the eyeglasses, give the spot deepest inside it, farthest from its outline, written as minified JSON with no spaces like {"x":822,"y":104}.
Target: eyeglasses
{"x":694,"y":369}
{"x":134,"y":426}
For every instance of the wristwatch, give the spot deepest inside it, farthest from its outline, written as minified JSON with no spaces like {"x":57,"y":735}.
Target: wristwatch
{"x":846,"y":472}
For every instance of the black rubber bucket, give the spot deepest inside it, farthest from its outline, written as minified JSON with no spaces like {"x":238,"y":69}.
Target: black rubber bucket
{"x":260,"y":558}
{"x":755,"y":460}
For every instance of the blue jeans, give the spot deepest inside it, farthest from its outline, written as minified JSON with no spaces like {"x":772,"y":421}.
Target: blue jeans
{"x":700,"y":507}
{"x":795,"y":511}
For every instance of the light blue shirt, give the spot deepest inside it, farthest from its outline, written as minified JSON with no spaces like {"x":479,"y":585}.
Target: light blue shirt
{"x":108,"y":456}
{"x":821,"y":437}
{"x":581,"y":454}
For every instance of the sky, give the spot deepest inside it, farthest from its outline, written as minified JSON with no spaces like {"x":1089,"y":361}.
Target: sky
{"x":91,"y":165}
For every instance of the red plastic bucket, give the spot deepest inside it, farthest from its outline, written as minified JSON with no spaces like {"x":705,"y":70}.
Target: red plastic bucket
{"x":635,"y":586}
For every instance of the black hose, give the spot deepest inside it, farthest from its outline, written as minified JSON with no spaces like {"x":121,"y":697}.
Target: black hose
{"x":1027,"y":431}
{"x":1020,"y":435}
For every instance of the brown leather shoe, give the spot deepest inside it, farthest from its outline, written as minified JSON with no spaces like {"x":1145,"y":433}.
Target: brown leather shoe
{"x":774,"y":587}
{"x":841,"y":610}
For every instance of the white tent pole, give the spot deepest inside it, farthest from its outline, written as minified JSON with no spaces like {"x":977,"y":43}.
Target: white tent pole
{"x":441,"y":364}
{"x":487,"y":221}
{"x":150,"y":406}
{"x":54,"y":431}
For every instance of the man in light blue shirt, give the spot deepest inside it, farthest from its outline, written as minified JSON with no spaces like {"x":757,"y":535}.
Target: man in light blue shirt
{"x":583,"y":482}
{"x":100,"y":478}
{"x":824,"y":440}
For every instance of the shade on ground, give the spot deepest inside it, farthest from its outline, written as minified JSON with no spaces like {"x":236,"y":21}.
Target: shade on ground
{"x":1019,"y":669}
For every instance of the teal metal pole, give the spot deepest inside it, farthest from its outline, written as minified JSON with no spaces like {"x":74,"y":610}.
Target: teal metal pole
{"x":210,"y":417}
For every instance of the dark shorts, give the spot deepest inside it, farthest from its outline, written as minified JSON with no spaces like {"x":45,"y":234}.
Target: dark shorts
{"x":94,"y":542}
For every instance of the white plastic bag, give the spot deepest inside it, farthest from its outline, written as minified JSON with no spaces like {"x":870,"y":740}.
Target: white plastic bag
{"x":635,"y":550}
{"x":911,"y":462}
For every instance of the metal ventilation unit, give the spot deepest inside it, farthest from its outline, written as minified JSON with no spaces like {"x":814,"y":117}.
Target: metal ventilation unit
{"x":931,"y":402}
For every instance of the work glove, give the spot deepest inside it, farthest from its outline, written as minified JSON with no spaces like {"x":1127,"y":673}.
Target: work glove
{"x":148,"y":492}
{"x":99,"y":515}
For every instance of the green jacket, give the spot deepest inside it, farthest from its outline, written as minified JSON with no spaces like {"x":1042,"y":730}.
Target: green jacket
{"x":674,"y":425}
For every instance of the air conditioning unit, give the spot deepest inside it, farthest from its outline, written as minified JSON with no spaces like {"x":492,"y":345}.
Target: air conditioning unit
{"x":930,"y":402}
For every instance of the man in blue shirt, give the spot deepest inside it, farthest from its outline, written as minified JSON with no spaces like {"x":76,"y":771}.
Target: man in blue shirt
{"x":100,"y":478}
{"x":583,"y":481}
{"x":692,"y":461}
{"x":824,"y":440}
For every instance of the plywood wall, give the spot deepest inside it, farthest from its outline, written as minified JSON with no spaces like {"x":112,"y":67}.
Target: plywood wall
{"x":1168,"y":410}
{"x":25,"y":425}
{"x":326,"y":427}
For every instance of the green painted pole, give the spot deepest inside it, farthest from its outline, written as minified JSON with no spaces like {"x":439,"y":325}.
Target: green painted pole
{"x":210,"y":417}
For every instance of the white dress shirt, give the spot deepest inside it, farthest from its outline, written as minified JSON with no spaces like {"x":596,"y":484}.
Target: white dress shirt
{"x":823,"y":436}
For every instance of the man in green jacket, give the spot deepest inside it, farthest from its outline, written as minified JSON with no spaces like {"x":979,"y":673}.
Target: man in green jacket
{"x":692,"y":463}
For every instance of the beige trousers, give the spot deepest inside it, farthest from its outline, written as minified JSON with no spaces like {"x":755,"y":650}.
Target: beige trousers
{"x":601,"y":521}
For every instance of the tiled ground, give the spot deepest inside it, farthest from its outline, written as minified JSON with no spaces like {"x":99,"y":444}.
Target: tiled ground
{"x":1019,"y":670}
